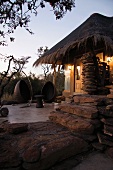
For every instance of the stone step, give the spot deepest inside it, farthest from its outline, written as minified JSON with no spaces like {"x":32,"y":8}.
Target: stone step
{"x":83,"y":111}
{"x":109,"y":107}
{"x":108,"y":130}
{"x":99,"y":146}
{"x":73,"y":123}
{"x":95,"y":122}
{"x":105,"y":139}
{"x":108,"y":121}
{"x":110,"y":96}
{"x":95,"y":99}
{"x":107,"y":113}
{"x":109,"y":152}
{"x":87,"y":138}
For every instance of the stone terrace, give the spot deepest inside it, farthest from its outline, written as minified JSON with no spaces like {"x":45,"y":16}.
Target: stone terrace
{"x":74,"y":128}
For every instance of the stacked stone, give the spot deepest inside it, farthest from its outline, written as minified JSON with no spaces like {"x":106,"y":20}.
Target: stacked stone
{"x":89,"y":75}
{"x":82,"y":116}
{"x":89,"y":117}
{"x":106,"y":135}
{"x":104,"y":106}
{"x":111,"y":92}
{"x":58,"y":99}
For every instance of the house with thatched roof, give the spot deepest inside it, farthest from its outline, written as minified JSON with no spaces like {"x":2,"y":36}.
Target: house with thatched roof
{"x":86,"y":54}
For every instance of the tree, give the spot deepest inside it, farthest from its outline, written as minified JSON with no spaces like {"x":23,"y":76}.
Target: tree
{"x":45,"y":67}
{"x":60,"y":79}
{"x":57,"y":69}
{"x":16,"y":13}
{"x":35,"y":82}
{"x":14,"y":66}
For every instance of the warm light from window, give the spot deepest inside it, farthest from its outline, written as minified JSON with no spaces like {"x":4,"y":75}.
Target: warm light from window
{"x":69,"y":67}
{"x":78,"y":72}
{"x":109,"y":59}
{"x":78,"y":68}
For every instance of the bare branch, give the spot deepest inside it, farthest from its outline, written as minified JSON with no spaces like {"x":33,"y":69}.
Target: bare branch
{"x":16,"y":13}
{"x":16,"y":65}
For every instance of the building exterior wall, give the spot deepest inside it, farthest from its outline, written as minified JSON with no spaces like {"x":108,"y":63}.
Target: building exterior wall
{"x":73,"y":75}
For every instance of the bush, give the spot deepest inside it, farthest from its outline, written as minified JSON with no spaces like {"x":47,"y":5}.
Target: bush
{"x":7,"y":97}
{"x":36,"y":84}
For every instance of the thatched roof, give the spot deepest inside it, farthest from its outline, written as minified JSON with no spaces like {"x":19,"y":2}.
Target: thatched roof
{"x":95,"y":34}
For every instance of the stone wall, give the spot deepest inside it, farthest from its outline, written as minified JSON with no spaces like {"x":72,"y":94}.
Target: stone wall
{"x":89,"y":117}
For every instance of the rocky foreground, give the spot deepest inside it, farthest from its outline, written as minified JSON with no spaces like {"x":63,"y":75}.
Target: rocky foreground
{"x":74,"y":129}
{"x":37,"y":145}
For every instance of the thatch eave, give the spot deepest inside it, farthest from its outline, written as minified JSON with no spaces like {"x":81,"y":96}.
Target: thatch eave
{"x":59,"y":55}
{"x":94,"y":34}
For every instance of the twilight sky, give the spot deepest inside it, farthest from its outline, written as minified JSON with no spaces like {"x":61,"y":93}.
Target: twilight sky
{"x":48,"y":31}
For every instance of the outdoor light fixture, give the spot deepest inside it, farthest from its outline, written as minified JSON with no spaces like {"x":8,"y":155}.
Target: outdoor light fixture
{"x":69,"y":67}
{"x":109,"y":59}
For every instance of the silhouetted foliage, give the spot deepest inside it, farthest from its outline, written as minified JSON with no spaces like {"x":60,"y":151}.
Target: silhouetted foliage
{"x":45,"y":67}
{"x":60,"y":79}
{"x":57,"y":69}
{"x":16,"y":13}
{"x":14,"y":66}
{"x":36,"y":83}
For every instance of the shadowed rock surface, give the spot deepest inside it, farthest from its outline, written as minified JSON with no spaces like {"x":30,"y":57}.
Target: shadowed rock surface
{"x":57,"y":145}
{"x":37,"y":145}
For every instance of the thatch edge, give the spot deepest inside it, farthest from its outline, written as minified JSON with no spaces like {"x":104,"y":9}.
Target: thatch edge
{"x":61,"y":52}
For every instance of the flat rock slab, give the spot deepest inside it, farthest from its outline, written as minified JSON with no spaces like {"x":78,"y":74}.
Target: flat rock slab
{"x":83,"y":111}
{"x":37,"y":145}
{"x":109,"y":152}
{"x":107,"y":113}
{"x":108,"y":130}
{"x":107,"y":121}
{"x":78,"y":125}
{"x":99,"y":99}
{"x":105,"y":139}
{"x":95,"y":161}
